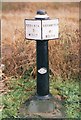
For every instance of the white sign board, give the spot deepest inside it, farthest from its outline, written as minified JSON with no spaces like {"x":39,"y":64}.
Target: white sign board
{"x":33,"y":29}
{"x":42,"y":29}
{"x":50,"y":29}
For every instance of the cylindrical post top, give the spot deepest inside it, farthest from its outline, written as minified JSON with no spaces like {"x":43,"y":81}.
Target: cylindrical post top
{"x":41,"y":14}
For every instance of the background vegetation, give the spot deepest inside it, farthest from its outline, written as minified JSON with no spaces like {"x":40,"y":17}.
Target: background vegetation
{"x":19,"y":55}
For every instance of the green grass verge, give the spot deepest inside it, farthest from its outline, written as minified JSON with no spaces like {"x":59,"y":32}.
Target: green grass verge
{"x":19,"y":91}
{"x":69,"y":90}
{"x":22,"y":89}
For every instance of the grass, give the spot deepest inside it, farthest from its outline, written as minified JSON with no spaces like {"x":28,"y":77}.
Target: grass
{"x":69,"y":90}
{"x":22,"y":89}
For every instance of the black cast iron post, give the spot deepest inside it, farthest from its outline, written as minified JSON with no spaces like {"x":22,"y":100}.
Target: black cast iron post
{"x":42,"y":62}
{"x":42,"y":29}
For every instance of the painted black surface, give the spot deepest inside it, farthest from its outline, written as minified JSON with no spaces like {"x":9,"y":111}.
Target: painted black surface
{"x":42,"y":62}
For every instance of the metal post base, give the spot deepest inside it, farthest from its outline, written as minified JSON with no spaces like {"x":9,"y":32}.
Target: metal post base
{"x":46,"y":97}
{"x":46,"y":108}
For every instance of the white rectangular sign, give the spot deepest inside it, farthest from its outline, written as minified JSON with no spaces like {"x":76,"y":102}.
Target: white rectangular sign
{"x":49,"y":29}
{"x":41,"y":29}
{"x":33,"y":29}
